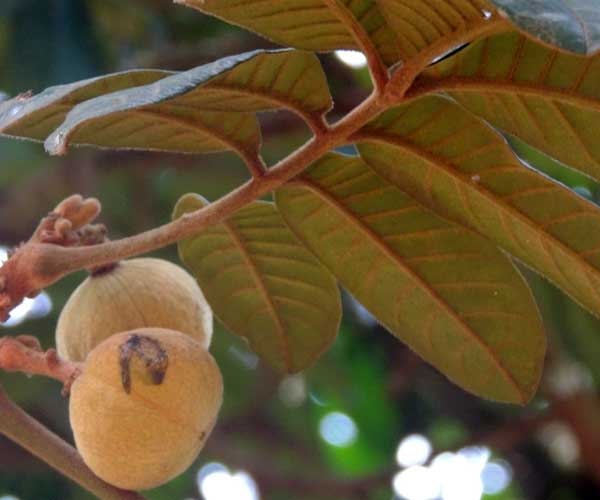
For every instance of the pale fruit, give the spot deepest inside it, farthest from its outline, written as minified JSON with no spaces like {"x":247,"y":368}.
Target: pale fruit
{"x":137,"y":293}
{"x":143,"y":406}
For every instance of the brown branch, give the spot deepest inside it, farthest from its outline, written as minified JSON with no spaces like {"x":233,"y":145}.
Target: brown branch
{"x":24,"y":354}
{"x":378,"y":70}
{"x":67,"y":225}
{"x":34,"y":437}
{"x":255,"y":165}
{"x":38,"y":264}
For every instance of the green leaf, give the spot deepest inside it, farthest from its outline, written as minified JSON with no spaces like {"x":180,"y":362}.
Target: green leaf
{"x":209,"y":108}
{"x":420,"y":23}
{"x":34,"y":117}
{"x":305,"y":24}
{"x":572,"y":25}
{"x":452,"y":161}
{"x":289,"y":79}
{"x":263,"y":284}
{"x":398,"y":29}
{"x":545,"y":97}
{"x":453,"y":297}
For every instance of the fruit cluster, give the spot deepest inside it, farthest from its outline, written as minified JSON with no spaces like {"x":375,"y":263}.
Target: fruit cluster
{"x":149,"y":392}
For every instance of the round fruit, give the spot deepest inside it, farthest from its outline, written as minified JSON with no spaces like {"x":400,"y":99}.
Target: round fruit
{"x":137,"y":293}
{"x":143,"y":406}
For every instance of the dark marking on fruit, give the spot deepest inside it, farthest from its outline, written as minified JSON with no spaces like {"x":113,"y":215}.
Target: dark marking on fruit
{"x":150,"y":352}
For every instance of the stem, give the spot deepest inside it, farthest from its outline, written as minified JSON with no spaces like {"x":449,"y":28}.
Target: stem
{"x":34,"y":437}
{"x":38,"y":265}
{"x":255,"y":165}
{"x":75,"y":258}
{"x":24,"y":354}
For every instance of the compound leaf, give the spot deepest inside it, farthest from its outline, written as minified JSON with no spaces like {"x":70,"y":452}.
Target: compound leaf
{"x":452,"y":296}
{"x":263,"y":284}
{"x":545,"y":97}
{"x":456,"y":164}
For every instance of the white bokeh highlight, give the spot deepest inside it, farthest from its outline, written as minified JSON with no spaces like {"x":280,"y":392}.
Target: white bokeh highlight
{"x":338,"y":429}
{"x":417,"y":483}
{"x":561,"y":443}
{"x":496,"y":477}
{"x":464,"y":475}
{"x":352,"y":58}
{"x":413,"y":450}
{"x":217,"y":482}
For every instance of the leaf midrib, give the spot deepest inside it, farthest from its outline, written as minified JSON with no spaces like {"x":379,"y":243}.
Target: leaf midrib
{"x":262,"y":289}
{"x":227,"y":143}
{"x":414,"y":276}
{"x":430,"y":86}
{"x":497,"y":202}
{"x":279,"y":100}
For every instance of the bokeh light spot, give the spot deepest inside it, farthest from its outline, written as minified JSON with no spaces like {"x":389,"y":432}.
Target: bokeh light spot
{"x":338,"y":429}
{"x":216,"y":482}
{"x":413,"y":450}
{"x":416,"y":483}
{"x":292,"y":391}
{"x":561,"y":443}
{"x":496,"y":476}
{"x":352,"y":58}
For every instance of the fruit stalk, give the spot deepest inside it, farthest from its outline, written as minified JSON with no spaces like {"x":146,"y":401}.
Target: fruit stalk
{"x":24,"y":354}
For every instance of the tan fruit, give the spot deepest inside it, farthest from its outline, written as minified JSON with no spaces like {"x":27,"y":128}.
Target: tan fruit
{"x":138,"y":293}
{"x":144,"y":405}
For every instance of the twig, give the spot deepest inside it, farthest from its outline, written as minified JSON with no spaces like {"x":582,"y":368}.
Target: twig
{"x":33,"y":436}
{"x":67,"y":225}
{"x":37,"y":265}
{"x":255,"y":165}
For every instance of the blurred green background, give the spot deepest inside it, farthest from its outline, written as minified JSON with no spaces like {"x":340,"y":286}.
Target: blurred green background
{"x":369,"y":420}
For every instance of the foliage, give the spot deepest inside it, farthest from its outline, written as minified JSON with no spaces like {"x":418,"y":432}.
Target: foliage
{"x":424,"y":224}
{"x":434,"y":282}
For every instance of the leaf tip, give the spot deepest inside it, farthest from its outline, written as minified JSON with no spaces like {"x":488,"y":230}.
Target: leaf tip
{"x":56,"y":143}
